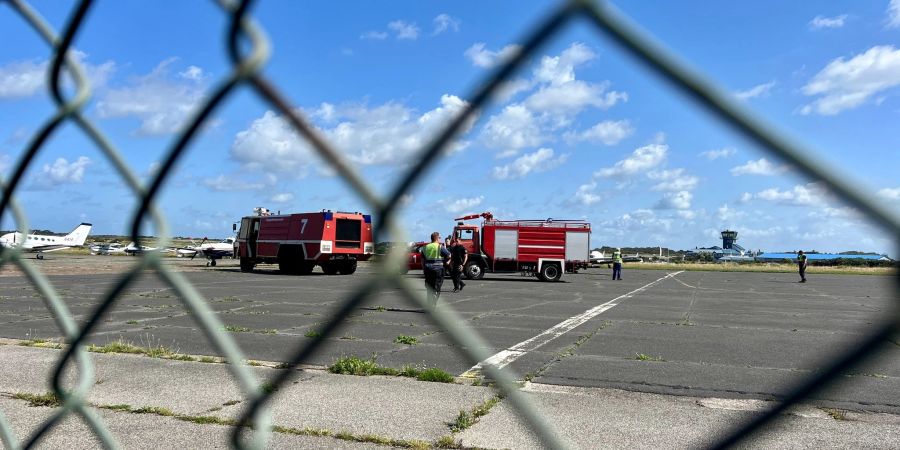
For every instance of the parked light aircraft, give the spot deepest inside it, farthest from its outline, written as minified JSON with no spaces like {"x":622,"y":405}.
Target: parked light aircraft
{"x":41,"y":243}
{"x":215,"y":250}
{"x":598,"y":257}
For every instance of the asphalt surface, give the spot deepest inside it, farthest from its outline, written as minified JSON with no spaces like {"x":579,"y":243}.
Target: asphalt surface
{"x":704,"y":334}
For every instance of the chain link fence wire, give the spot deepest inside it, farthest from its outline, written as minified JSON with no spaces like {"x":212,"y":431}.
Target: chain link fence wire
{"x":254,"y":426}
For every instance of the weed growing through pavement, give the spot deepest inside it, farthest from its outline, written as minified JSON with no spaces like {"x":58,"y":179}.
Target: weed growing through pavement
{"x":404,"y":339}
{"x":41,"y":343}
{"x":380,"y":308}
{"x":236,"y":329}
{"x":132,"y":322}
{"x":466,"y":419}
{"x":48,"y":399}
{"x":354,"y":365}
{"x":835,"y":414}
{"x":313,"y":334}
{"x":644,"y":357}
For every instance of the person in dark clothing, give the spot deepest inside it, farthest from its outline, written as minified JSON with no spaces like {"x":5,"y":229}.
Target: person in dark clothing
{"x":458,"y":258}
{"x":433,"y":256}
{"x":801,"y":265}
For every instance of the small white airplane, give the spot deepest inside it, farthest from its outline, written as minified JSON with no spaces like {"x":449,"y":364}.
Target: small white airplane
{"x":598,"y":257}
{"x":41,"y":243}
{"x":132,"y":249}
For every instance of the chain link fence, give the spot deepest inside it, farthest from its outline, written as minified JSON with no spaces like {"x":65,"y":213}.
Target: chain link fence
{"x":244,"y":33}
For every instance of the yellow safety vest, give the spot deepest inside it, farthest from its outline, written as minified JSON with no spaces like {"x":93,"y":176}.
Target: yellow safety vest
{"x":433,"y":251}
{"x":617,"y":257}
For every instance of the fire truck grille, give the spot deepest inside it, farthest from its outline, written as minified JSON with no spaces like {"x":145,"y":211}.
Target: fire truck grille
{"x":347,"y":234}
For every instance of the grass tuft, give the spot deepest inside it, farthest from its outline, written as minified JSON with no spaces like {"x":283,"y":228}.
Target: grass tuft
{"x":48,"y":399}
{"x":835,"y":414}
{"x":158,"y":410}
{"x":408,"y":340}
{"x":644,"y":357}
{"x":313,"y":334}
{"x":236,"y":329}
{"x":435,"y":375}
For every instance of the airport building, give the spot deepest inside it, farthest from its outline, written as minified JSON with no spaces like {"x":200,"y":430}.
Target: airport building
{"x":729,"y":251}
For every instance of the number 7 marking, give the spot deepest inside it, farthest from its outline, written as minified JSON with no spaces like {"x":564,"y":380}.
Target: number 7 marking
{"x":303,"y":225}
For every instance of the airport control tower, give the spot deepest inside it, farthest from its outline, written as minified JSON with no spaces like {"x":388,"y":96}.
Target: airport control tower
{"x":728,"y":238}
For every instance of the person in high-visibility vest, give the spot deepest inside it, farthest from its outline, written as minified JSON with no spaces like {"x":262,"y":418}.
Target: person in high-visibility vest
{"x":433,"y":256}
{"x":617,"y":264}
{"x":801,"y":265}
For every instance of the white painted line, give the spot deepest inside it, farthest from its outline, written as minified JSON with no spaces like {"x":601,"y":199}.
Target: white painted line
{"x":513,"y":353}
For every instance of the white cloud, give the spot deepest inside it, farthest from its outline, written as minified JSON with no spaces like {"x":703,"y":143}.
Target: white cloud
{"x":675,"y":200}
{"x":673,"y":180}
{"x":726,"y":213}
{"x":586,"y":193}
{"x":560,"y":69}
{"x":21,"y":79}
{"x":374,"y":35}
{"x":811,"y":194}
{"x":462,"y":204}
{"x":193,"y":73}
{"x":403,"y":30}
{"x":539,"y":161}
{"x":893,"y":14}
{"x":760,"y":90}
{"x":224,"y":183}
{"x":160,"y":102}
{"x":746,"y":197}
{"x":482,"y":57}
{"x":572,"y":96}
{"x":642,"y":159}
{"x":60,"y":172}
{"x":283,"y":197}
{"x":555,"y":98}
{"x":607,"y":132}
{"x":512,"y":130}
{"x":444,"y":22}
{"x":820,"y":22}
{"x":846,"y":84}
{"x":890,"y":193}
{"x":720,"y":153}
{"x":761,"y":166}
{"x":387,"y":134}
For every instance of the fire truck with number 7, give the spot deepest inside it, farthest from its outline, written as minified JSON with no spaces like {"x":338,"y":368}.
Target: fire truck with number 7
{"x":543,"y":248}
{"x":298,"y":243}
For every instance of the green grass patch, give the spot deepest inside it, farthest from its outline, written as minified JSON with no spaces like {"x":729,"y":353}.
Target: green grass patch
{"x":209,"y":359}
{"x":404,"y":339}
{"x":253,"y":363}
{"x":159,"y":411}
{"x":380,"y":308}
{"x":463,"y":421}
{"x":644,"y":357}
{"x":231,"y":402}
{"x":266,"y":331}
{"x":434,"y":374}
{"x":121,"y":346}
{"x":313,"y":334}
{"x":41,"y":343}
{"x":48,"y":399}
{"x":236,"y":329}
{"x":120,"y":407}
{"x":268,"y":388}
{"x":447,"y":442}
{"x":132,"y":322}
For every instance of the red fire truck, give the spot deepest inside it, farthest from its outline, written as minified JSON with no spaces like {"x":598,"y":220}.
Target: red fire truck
{"x":335,"y":241}
{"x":544,"y":248}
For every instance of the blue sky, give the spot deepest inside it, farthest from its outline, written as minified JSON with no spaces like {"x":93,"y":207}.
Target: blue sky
{"x":582,"y":132}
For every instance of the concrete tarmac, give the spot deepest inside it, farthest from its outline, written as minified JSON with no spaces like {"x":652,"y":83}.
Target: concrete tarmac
{"x":703,"y":334}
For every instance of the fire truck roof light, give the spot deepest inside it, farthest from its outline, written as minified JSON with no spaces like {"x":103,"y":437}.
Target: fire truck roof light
{"x":367,"y":218}
{"x":328,"y":215}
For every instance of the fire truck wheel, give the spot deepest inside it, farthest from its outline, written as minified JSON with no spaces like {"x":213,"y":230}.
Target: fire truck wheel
{"x":550,"y":272}
{"x":246,"y":265}
{"x":329,"y":268}
{"x":347,"y":268}
{"x":473,"y":271}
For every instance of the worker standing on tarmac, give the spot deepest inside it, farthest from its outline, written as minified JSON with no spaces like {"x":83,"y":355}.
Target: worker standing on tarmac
{"x":801,"y":265}
{"x":458,"y":258}
{"x":617,"y":264}
{"x":433,"y":255}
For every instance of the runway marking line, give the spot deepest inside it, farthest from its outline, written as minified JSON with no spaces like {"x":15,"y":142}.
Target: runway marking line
{"x":505,"y":357}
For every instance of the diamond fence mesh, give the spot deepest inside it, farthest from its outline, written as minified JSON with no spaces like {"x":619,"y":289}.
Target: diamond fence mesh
{"x":254,"y":427}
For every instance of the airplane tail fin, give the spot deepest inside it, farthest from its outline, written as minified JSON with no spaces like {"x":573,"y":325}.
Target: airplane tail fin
{"x":79,"y":234}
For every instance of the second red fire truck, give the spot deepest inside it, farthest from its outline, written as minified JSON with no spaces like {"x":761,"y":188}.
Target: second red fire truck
{"x":544,"y":248}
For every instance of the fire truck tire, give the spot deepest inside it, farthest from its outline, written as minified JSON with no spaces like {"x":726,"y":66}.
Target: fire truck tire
{"x":550,"y":272}
{"x":246,"y":265}
{"x":348,"y":267}
{"x":473,"y":271}
{"x":329,"y":268}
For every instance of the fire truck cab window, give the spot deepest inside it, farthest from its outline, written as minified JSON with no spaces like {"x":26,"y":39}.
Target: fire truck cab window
{"x":465,"y":235}
{"x":245,"y":228}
